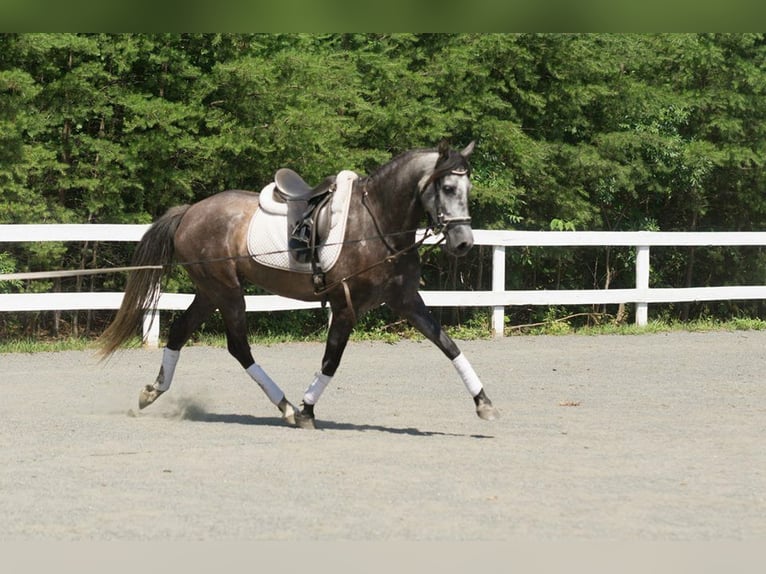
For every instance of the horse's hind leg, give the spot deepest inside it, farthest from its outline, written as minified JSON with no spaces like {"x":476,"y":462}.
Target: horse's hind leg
{"x":415,"y":311}
{"x":180,"y":331}
{"x":233,"y":310}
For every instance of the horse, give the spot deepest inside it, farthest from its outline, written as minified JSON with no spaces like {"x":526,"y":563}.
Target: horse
{"x":378,"y":264}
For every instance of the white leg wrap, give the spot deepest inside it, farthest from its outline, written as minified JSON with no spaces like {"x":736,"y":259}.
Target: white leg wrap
{"x":269,"y":387}
{"x":469,"y":376}
{"x":167,"y":370}
{"x":316,"y":388}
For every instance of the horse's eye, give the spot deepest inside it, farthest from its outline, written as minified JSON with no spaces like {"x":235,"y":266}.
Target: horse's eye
{"x":448,"y":189}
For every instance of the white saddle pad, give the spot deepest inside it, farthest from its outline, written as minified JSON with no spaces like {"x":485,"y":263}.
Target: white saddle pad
{"x":267,"y":235}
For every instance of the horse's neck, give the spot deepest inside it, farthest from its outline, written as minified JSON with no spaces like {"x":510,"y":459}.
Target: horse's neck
{"x":419,"y":168}
{"x":397,"y":190}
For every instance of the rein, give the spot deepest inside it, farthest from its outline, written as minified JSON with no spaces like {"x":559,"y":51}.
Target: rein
{"x":442,"y":222}
{"x":32,"y":275}
{"x":365,"y":195}
{"x":389,"y":259}
{"x":73,"y":273}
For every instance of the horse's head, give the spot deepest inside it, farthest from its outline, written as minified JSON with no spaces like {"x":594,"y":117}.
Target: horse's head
{"x":444,"y":195}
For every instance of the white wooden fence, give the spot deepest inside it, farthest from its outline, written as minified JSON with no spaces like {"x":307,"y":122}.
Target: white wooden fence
{"x":497,"y":298}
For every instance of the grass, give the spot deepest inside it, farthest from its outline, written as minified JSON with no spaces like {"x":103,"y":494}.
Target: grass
{"x":556,"y":327}
{"x":29,"y":345}
{"x":401,"y":331}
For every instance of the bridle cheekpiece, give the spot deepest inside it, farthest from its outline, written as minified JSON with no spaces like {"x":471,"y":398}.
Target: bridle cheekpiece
{"x":443,"y":222}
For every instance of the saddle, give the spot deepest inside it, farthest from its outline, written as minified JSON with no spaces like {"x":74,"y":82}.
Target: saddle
{"x":291,"y":186}
{"x":310,"y":212}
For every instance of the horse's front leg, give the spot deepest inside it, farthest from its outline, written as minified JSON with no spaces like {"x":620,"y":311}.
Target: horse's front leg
{"x":415,"y":311}
{"x":343,"y":321}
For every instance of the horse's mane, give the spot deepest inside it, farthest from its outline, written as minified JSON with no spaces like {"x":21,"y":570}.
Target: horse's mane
{"x":449,"y":160}
{"x":393,"y":165}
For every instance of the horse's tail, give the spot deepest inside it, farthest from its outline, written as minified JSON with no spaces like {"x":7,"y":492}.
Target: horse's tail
{"x":143,"y":286}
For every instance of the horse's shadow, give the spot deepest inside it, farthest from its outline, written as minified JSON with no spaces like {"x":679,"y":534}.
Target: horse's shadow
{"x":250,"y":420}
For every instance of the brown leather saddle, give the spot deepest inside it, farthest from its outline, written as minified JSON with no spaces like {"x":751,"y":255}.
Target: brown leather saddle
{"x":309,"y":215}
{"x":291,"y":186}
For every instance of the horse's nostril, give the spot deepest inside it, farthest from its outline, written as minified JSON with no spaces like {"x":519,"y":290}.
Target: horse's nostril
{"x":463,"y":247}
{"x":459,"y":241}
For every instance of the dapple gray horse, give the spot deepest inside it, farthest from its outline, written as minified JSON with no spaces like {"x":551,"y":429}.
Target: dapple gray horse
{"x":377,"y":264}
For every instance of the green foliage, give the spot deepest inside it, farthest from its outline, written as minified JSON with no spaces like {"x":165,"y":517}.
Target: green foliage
{"x":574,"y":131}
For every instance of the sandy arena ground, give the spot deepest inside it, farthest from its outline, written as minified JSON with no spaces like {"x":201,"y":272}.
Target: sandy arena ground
{"x":619,"y":438}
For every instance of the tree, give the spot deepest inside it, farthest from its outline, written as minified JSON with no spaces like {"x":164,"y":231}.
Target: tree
{"x":574,"y":131}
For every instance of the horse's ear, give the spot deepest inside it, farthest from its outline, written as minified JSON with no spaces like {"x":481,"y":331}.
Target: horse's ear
{"x":443,"y":148}
{"x":468,"y":149}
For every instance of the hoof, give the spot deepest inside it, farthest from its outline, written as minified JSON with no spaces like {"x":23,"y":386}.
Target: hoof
{"x":148,"y":395}
{"x":487,"y":412}
{"x":305,"y":417}
{"x":289,"y":413}
{"x":484,"y":407}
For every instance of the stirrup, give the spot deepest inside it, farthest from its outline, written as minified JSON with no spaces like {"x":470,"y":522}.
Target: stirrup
{"x":318,"y":279}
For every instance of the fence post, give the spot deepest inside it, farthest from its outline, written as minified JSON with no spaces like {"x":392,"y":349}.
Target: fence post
{"x":642,"y":283}
{"x":498,"y":286}
{"x":151,"y":328}
{"x":151,"y":325}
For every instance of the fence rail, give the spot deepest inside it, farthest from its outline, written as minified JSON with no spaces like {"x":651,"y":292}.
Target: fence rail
{"x":497,"y":298}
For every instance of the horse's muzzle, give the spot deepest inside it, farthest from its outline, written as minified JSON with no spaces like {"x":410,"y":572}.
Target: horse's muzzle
{"x":459,"y":239}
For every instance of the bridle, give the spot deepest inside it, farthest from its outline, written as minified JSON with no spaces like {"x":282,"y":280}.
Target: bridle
{"x":443,"y":222}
